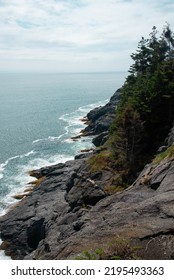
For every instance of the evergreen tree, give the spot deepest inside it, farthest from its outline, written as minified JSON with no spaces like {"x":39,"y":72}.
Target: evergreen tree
{"x":146,"y":109}
{"x":129,"y":128}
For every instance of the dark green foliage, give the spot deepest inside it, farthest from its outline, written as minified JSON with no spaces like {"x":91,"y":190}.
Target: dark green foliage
{"x":128,"y":136}
{"x":146,"y":110}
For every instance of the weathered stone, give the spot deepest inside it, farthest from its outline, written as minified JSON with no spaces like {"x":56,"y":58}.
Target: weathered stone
{"x":100,"y":139}
{"x":83,"y":155}
{"x":101,"y":118}
{"x":66,"y":220}
{"x":84,"y":193}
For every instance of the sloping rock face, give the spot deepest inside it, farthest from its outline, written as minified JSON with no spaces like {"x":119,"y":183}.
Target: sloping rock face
{"x":70,"y":212}
{"x":100,"y":120}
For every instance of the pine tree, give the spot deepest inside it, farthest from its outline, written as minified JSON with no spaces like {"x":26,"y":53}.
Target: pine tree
{"x":127,"y":139}
{"x":146,"y":109}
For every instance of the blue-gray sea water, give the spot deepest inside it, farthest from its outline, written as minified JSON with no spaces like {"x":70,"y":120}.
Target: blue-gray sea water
{"x":39,"y":113}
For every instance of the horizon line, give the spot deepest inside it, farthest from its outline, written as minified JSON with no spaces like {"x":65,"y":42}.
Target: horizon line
{"x":57,"y":72}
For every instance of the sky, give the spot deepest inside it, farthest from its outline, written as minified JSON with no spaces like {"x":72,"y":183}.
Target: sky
{"x":76,"y":35}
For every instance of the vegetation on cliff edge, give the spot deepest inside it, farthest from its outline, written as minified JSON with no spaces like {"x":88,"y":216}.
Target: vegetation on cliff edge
{"x":145,"y":112}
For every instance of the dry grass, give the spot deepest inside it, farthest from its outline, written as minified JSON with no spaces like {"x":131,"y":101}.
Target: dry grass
{"x":101,"y":161}
{"x":20,"y":196}
{"x":112,"y":189}
{"x":118,"y":248}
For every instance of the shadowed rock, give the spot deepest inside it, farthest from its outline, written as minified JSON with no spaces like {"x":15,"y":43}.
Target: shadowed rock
{"x":69,"y":212}
{"x":100,"y":119}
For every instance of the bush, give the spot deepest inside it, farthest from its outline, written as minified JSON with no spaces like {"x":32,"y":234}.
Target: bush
{"x":118,"y":248}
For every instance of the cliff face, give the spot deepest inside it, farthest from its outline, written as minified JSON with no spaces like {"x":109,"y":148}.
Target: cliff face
{"x":100,"y":119}
{"x":70,"y":212}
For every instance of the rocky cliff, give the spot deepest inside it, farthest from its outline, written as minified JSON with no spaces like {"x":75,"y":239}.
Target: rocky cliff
{"x":100,"y":119}
{"x":71,"y":213}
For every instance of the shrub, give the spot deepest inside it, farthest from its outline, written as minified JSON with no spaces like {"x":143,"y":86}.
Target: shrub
{"x":118,"y":248}
{"x":169,"y":153}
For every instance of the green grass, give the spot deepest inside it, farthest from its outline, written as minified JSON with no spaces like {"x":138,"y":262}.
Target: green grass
{"x":169,"y":153}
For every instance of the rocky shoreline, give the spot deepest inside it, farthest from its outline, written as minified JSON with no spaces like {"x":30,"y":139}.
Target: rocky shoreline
{"x":70,"y":211}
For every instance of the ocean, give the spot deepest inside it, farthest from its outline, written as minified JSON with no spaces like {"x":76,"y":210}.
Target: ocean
{"x":39,"y":113}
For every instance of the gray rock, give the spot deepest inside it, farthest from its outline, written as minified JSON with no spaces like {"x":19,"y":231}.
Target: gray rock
{"x":101,"y":118}
{"x":170,"y":139}
{"x":162,"y":149}
{"x":100,"y":139}
{"x":75,"y":214}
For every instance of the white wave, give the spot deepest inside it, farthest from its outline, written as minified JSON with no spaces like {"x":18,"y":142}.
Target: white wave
{"x":3,"y":165}
{"x":38,"y":140}
{"x":49,"y":138}
{"x":77,"y":114}
{"x":15,"y":157}
{"x":27,"y":154}
{"x":11,"y":181}
{"x":7,"y":161}
{"x":89,"y":107}
{"x":53,"y":138}
{"x":22,"y":178}
{"x":18,"y":183}
{"x":69,"y":140}
{"x":74,"y":119}
{"x":1,"y":171}
{"x":46,"y":161}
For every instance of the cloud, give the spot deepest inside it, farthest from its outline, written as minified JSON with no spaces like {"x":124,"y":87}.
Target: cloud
{"x":66,"y":33}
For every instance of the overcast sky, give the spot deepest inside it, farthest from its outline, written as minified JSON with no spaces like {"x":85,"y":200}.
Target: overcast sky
{"x":76,"y":35}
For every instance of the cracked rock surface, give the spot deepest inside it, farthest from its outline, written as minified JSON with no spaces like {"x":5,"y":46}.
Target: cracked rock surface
{"x":70,"y":212}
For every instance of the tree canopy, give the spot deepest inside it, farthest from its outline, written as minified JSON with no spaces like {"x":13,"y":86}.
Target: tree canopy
{"x":146,"y":110}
